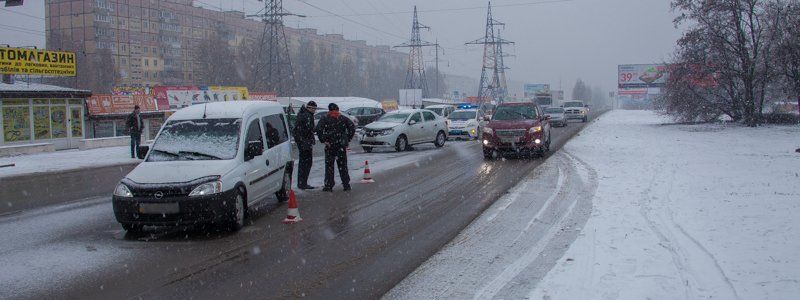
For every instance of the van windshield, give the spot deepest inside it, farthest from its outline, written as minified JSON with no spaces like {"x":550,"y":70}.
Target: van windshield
{"x":205,"y":139}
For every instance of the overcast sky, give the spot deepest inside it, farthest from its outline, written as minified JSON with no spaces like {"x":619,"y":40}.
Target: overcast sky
{"x":556,"y":41}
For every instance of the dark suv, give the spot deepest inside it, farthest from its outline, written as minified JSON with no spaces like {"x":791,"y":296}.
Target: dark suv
{"x":518,"y":128}
{"x":366,"y":115}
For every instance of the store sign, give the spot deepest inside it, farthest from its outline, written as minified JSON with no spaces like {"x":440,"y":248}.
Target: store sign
{"x":119,"y":104}
{"x":264,"y":97}
{"x":642,"y":76}
{"x":36,"y":62}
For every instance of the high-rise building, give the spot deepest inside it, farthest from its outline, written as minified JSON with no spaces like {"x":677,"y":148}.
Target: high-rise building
{"x":152,"y":42}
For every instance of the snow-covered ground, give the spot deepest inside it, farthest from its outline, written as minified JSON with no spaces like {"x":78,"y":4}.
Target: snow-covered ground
{"x":65,"y":160}
{"x":676,"y":212}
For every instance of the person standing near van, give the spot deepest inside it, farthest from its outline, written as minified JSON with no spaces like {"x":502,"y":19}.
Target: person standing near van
{"x":134,"y":125}
{"x":304,"y":138}
{"x":335,"y":131}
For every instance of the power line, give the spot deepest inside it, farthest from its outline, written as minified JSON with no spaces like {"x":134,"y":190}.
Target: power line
{"x":351,"y":20}
{"x":23,"y":30}
{"x":21,"y":13}
{"x":445,"y":9}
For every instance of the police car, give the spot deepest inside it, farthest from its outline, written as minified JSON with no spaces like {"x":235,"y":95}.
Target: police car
{"x":465,"y":123}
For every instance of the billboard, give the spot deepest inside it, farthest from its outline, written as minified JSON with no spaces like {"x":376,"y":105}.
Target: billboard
{"x":177,"y":97}
{"x":642,"y":76}
{"x":119,"y":104}
{"x":410,"y":98}
{"x":263,"y":97}
{"x":532,"y":88}
{"x":36,"y":62}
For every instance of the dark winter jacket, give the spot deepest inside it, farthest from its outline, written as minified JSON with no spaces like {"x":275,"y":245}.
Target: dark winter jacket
{"x":304,"y":128}
{"x":134,"y":127}
{"x":335,"y":129}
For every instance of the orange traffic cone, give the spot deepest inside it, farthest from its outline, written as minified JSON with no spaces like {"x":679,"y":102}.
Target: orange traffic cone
{"x":367,"y":174}
{"x":293,"y":213}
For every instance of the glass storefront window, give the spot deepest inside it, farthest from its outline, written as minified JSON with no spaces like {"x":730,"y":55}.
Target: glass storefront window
{"x":120,"y":128}
{"x":104,"y":129}
{"x":76,"y":122}
{"x":58,"y":121}
{"x":155,"y":126}
{"x":41,"y":122}
{"x":16,"y":123}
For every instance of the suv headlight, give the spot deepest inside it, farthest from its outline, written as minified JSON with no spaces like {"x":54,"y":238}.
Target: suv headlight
{"x":488,"y":130}
{"x":536,"y":129}
{"x":387,"y":131}
{"x":122,"y":191}
{"x":208,"y":188}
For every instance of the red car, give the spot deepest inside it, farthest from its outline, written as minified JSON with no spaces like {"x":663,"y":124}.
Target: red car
{"x":518,"y":128}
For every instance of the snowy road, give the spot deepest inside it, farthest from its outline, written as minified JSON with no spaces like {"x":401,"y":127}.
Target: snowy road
{"x":351,"y":245}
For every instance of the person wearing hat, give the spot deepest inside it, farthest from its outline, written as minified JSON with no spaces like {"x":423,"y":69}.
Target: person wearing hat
{"x":304,"y":138}
{"x":335,"y":131}
{"x":134,"y":126}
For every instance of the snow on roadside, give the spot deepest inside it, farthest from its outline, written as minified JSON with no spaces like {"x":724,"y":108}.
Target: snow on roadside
{"x":684,"y":212}
{"x":65,"y":160}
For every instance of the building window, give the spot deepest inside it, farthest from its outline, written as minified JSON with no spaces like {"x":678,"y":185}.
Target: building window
{"x":16,"y":122}
{"x":155,"y":62}
{"x":146,"y":62}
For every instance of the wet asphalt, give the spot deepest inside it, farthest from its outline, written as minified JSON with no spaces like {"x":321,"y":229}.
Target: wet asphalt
{"x":356,"y":244}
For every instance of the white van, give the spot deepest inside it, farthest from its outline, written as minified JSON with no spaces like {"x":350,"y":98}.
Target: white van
{"x":208,"y":164}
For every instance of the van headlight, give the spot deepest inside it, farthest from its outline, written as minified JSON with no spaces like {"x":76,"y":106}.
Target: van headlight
{"x":488,"y":130}
{"x":208,"y":188}
{"x":536,"y":129}
{"x":122,"y":191}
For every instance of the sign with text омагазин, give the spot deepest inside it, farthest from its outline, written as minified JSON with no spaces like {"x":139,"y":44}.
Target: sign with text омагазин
{"x":36,"y":62}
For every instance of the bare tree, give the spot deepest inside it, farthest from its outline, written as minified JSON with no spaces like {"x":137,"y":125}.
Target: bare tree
{"x":216,"y":61}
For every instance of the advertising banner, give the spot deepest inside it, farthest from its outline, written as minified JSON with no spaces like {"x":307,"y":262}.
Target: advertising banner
{"x":532,"y":88}
{"x":642,"y":76}
{"x":119,"y":104}
{"x":160,"y":94}
{"x":389,"y":105}
{"x":36,"y":62}
{"x":16,"y":123}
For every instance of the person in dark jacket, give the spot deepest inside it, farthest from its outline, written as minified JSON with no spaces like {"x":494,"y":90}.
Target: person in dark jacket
{"x":304,"y":138}
{"x":134,"y":125}
{"x":335,"y":131}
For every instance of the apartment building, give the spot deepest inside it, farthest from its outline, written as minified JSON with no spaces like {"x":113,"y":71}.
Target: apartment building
{"x":152,"y":41}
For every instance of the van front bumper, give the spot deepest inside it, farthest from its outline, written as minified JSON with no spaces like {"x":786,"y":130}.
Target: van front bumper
{"x":173,"y":211}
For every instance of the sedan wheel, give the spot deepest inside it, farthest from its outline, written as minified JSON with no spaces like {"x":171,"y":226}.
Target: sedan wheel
{"x":440,"y":139}
{"x":401,"y":144}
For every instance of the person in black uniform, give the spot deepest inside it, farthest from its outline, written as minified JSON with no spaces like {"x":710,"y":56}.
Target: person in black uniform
{"x":304,"y":138}
{"x":135,"y":126}
{"x":335,"y":131}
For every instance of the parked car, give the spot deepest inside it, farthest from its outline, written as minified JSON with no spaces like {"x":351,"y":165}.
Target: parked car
{"x":465,"y":123}
{"x":208,"y":164}
{"x":365,"y":115}
{"x":442,"y":110}
{"x":516,"y":128}
{"x":557,"y":116}
{"x":576,"y":110}
{"x":321,"y":112}
{"x":403,"y":128}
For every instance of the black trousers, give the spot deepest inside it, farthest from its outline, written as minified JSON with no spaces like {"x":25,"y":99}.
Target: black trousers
{"x":304,"y":165}
{"x":336,"y":155}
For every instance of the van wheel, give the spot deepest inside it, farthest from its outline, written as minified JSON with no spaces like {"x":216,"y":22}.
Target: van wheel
{"x":401,"y":144}
{"x":238,"y":211}
{"x":440,"y":138}
{"x":286,"y":185}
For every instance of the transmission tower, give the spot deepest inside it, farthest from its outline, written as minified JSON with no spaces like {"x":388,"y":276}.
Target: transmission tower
{"x":273,"y":69}
{"x":492,"y":83}
{"x":415,"y":76}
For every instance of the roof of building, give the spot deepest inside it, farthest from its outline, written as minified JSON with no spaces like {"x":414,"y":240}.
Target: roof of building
{"x":21,"y":89}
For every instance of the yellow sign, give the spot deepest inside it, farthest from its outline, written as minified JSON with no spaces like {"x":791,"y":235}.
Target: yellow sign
{"x":36,"y":62}
{"x":236,"y":92}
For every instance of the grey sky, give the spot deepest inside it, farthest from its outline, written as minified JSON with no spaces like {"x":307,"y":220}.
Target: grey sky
{"x":555,"y":41}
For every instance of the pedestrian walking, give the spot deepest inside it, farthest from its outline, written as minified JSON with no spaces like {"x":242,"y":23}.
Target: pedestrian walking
{"x":335,"y":131}
{"x":304,"y":138}
{"x":134,"y":125}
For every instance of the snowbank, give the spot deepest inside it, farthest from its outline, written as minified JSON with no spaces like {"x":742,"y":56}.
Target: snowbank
{"x":66,"y":160}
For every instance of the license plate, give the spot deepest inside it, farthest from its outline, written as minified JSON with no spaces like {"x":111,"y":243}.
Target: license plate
{"x":456,"y":132}
{"x":509,"y":140}
{"x":159,"y":208}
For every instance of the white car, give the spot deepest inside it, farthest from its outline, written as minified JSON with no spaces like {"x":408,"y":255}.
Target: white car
{"x":321,"y":112}
{"x":576,"y":109}
{"x":465,"y":123}
{"x":443,"y":110}
{"x":208,"y":164}
{"x":403,"y":128}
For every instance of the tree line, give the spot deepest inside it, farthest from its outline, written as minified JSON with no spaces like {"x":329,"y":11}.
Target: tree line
{"x":735,"y":57}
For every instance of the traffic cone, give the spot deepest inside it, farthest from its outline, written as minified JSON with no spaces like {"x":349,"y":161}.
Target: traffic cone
{"x":367,"y":174}
{"x":293,"y":213}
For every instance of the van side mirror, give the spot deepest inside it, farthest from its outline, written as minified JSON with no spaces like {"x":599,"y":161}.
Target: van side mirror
{"x":412,"y":122}
{"x":142,"y":151}
{"x":254,"y":148}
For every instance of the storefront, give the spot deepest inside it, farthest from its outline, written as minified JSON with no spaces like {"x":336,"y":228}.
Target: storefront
{"x":32,"y":113}
{"x":108,"y":115}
